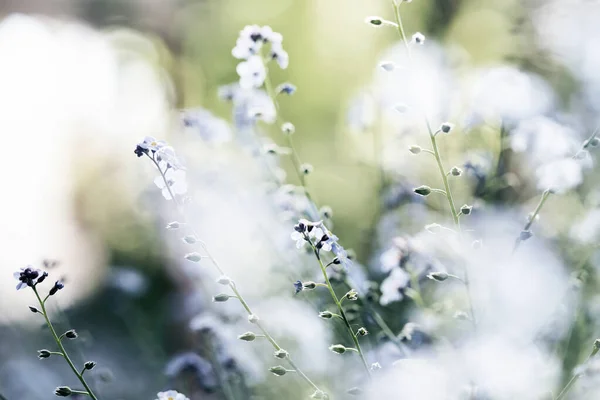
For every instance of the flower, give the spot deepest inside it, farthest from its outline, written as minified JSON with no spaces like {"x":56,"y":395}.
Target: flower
{"x":280,"y":55}
{"x":392,"y":286}
{"x":29,"y":276}
{"x":252,"y":72}
{"x":171,"y":395}
{"x":175,"y":183}
{"x":418,"y":38}
{"x":210,"y":128}
{"x":168,"y":159}
{"x":560,"y":176}
{"x":149,"y":143}
{"x":286,"y":88}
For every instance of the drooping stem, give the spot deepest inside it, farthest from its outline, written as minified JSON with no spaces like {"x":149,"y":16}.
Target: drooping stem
{"x":232,"y":285}
{"x":341,"y":310}
{"x":576,"y":376}
{"x":64,"y":353}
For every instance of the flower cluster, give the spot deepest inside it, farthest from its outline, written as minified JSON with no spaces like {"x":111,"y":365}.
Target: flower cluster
{"x":172,"y":178}
{"x":249,"y":45}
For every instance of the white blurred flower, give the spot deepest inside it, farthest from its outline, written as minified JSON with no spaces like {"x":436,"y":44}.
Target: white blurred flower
{"x":168,"y":159}
{"x":280,"y":55}
{"x":171,"y":395}
{"x":210,"y":128}
{"x":176,"y":182}
{"x":587,"y":229}
{"x":391,"y":287}
{"x":543,"y":140}
{"x":418,"y":38}
{"x":245,"y":48}
{"x":151,"y":143}
{"x":559,"y":176}
{"x":508,"y":94}
{"x":252,"y":72}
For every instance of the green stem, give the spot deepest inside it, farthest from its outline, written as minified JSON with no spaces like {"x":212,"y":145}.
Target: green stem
{"x":232,"y":284}
{"x":341,"y":310}
{"x":527,"y":226}
{"x":62,"y":348}
{"x":575,"y":377}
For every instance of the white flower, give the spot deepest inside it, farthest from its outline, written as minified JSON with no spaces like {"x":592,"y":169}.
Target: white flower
{"x":175,"y":182}
{"x":391,"y":287}
{"x":150,"y":143}
{"x":280,"y":55}
{"x":298,"y":238}
{"x":168,"y":159}
{"x":560,"y":176}
{"x":418,"y":38}
{"x":252,"y":72}
{"x":211,"y":129}
{"x":171,"y":395}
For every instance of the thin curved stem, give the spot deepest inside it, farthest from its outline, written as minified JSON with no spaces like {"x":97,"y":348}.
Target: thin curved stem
{"x":232,"y":285}
{"x":341,"y":310}
{"x":58,"y":341}
{"x":575,"y":377}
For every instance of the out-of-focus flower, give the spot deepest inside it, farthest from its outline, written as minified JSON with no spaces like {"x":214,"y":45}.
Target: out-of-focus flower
{"x":280,"y":55}
{"x":171,"y":395}
{"x":175,"y":181}
{"x":252,"y":72}
{"x":191,"y":362}
{"x":508,"y":94}
{"x":211,"y":129}
{"x":559,"y":176}
{"x":392,"y":286}
{"x":150,"y":143}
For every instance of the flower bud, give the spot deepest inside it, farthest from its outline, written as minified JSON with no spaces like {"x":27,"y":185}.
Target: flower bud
{"x":63,"y":391}
{"x":352,"y":295}
{"x":446,"y":127}
{"x":247,"y":337}
{"x":318,"y":394}
{"x":423,"y":190}
{"x":33,"y":309}
{"x":253,"y":319}
{"x":221,"y":298}
{"x":309,"y":285}
{"x":355,"y":391}
{"x":362,"y":332}
{"x":189,"y":239}
{"x":466,"y":209}
{"x":524,"y":235}
{"x":58,"y":285}
{"x":418,"y":38}
{"x":89,"y":365}
{"x":278,"y":370}
{"x":42,"y":278}
{"x":439,"y":276}
{"x":173,"y":225}
{"x":224,"y":280}
{"x":286,"y":88}
{"x":71,"y":334}
{"x":326,"y":315}
{"x":415,"y":149}
{"x":281,"y":353}
{"x":455,"y":171}
{"x":593,"y":142}
{"x":44,"y":354}
{"x":375,"y":21}
{"x":193,"y":257}
{"x":401,"y":108}
{"x":306,"y":168}
{"x":326,"y":212}
{"x":288,"y":128}
{"x":338,"y":348}
{"x":387,"y":66}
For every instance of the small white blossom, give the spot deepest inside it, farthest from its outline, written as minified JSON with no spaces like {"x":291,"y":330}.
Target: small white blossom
{"x":418,"y":38}
{"x":167,"y":158}
{"x":171,"y":395}
{"x":175,"y":183}
{"x":288,"y":128}
{"x":252,"y":72}
{"x":280,"y":55}
{"x":152,"y":144}
{"x":391,"y":287}
{"x":560,"y":176}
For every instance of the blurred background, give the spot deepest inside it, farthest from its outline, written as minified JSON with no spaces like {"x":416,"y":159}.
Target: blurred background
{"x":83,"y":81}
